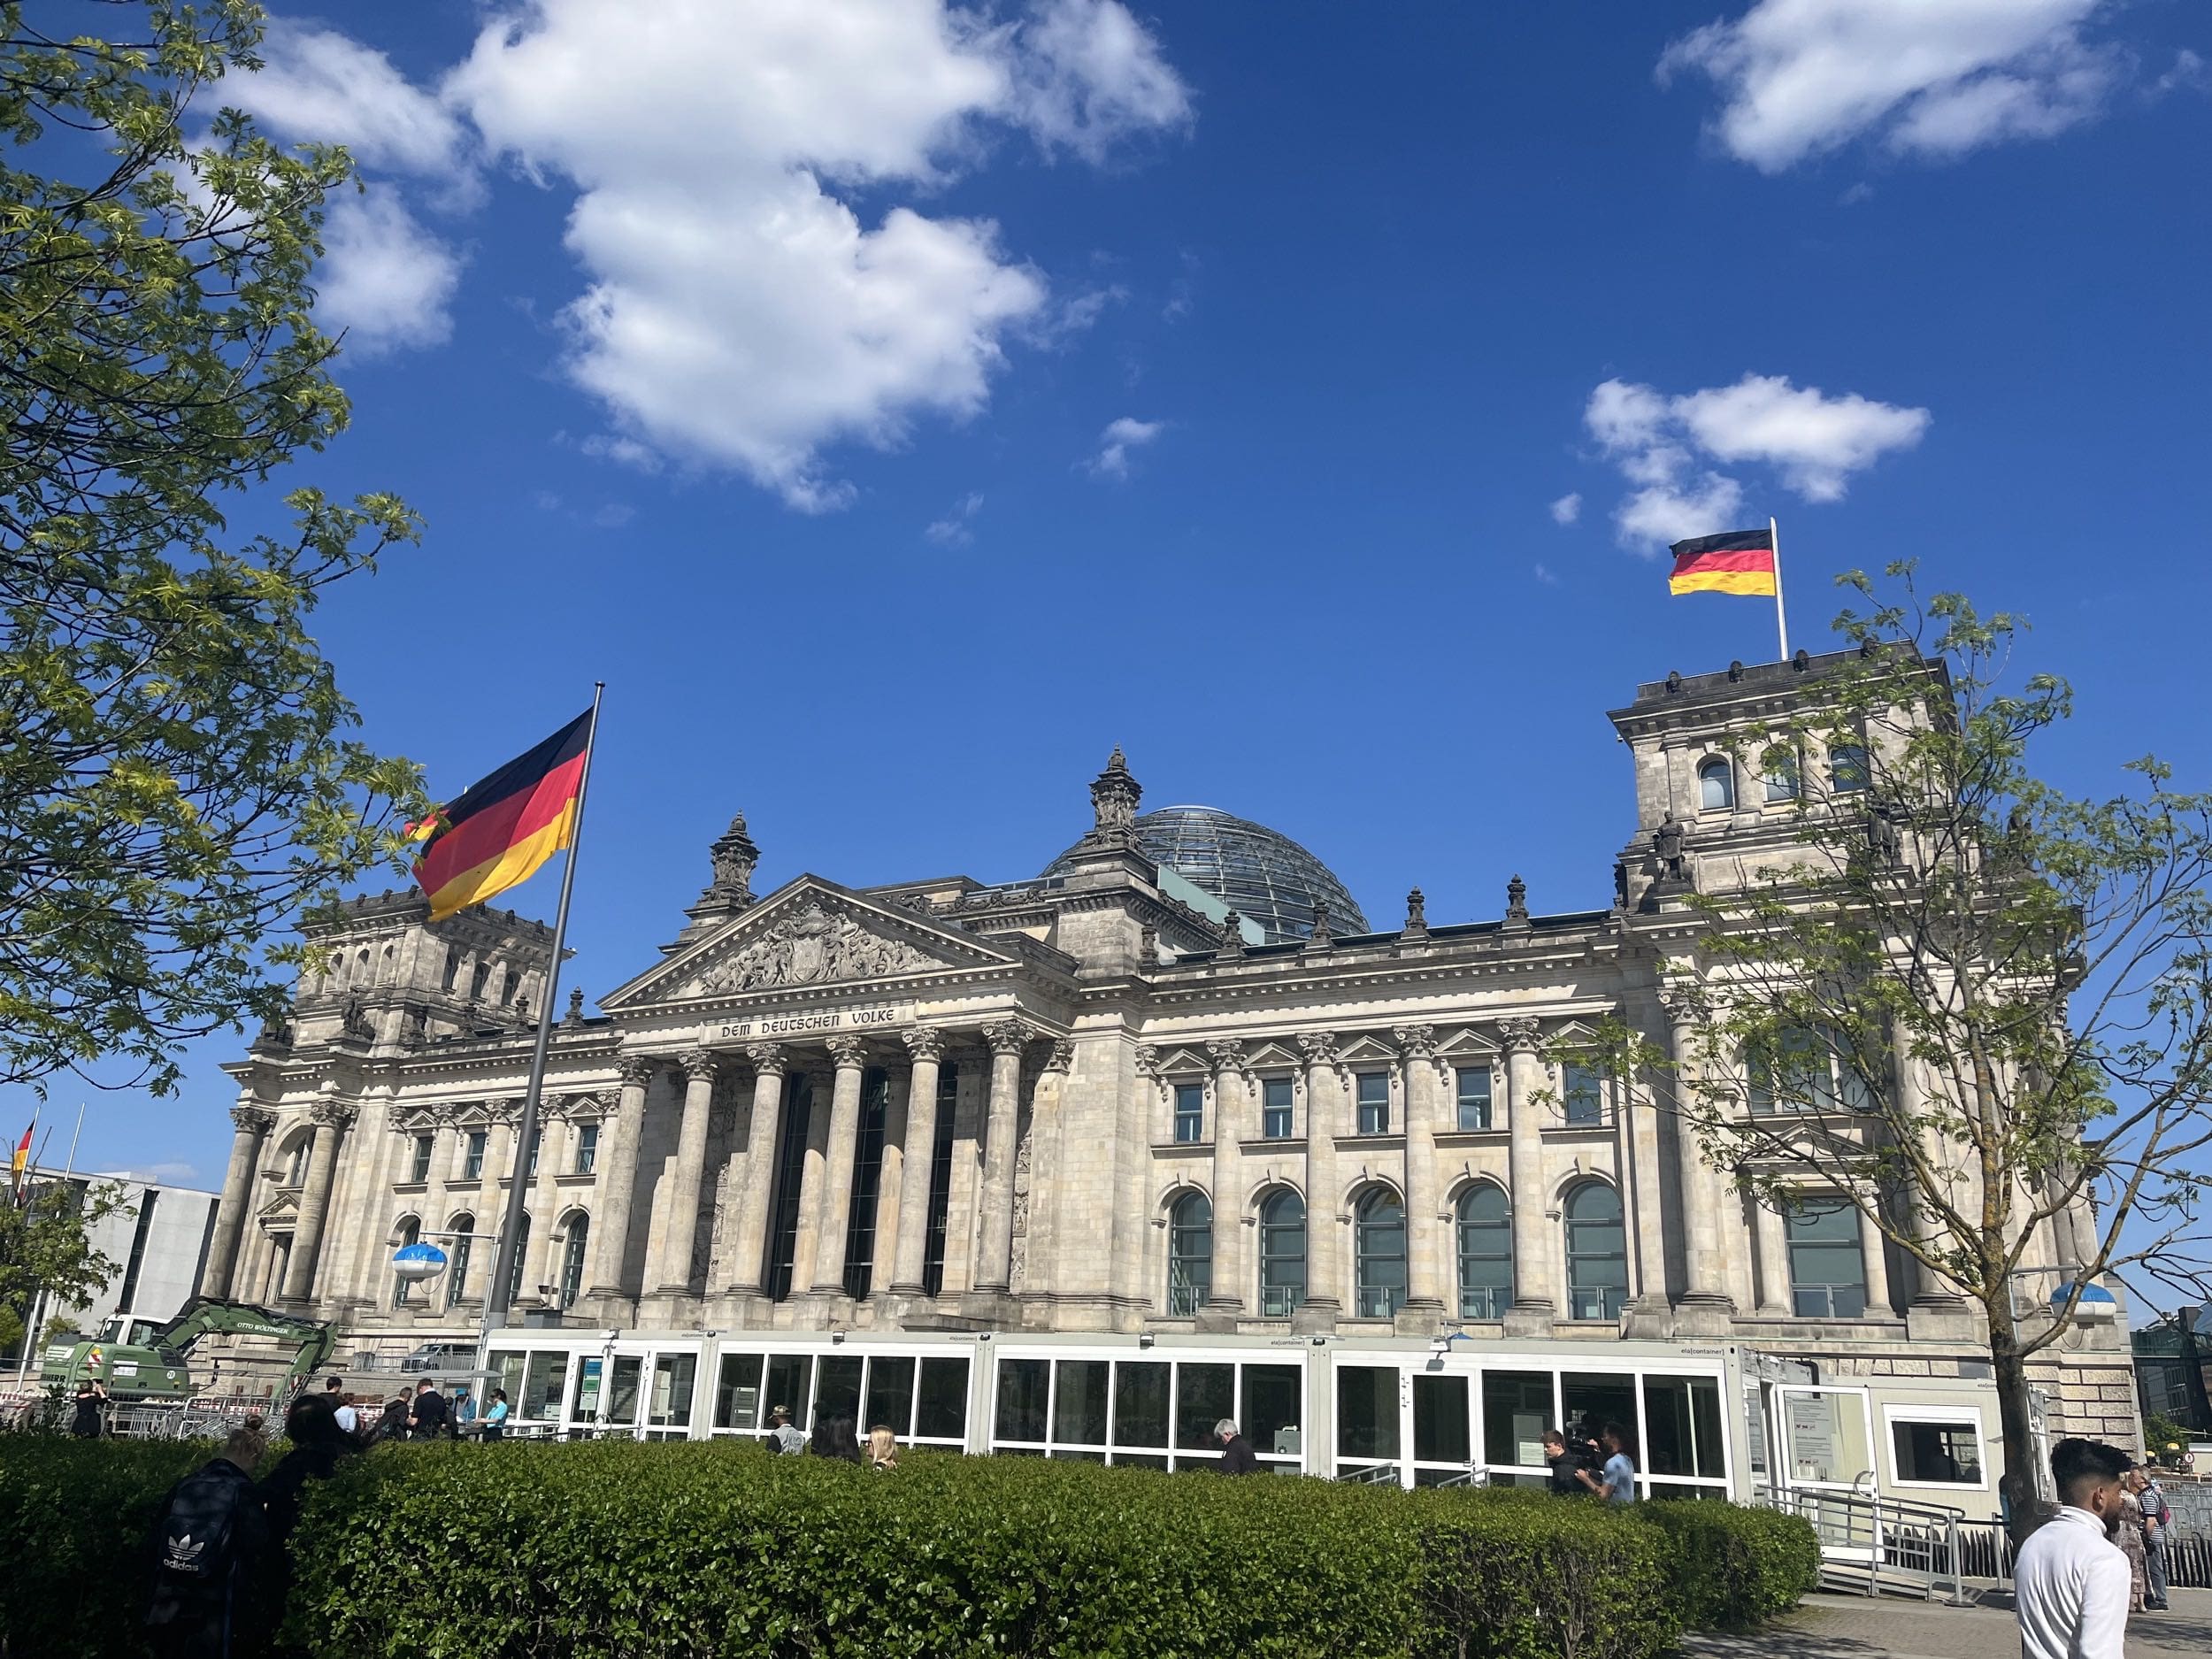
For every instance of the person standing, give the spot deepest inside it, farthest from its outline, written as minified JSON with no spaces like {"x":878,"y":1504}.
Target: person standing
{"x":209,"y":1543}
{"x":496,"y":1418}
{"x":2130,"y":1539}
{"x":2158,"y":1519}
{"x":782,"y":1438}
{"x":92,"y":1402}
{"x":1617,"y":1482}
{"x":463,"y":1411}
{"x":1566,"y":1466}
{"x":2071,"y":1585}
{"x":1236,"y":1451}
{"x":883,"y":1449}
{"x":428,"y":1419}
{"x":348,"y":1419}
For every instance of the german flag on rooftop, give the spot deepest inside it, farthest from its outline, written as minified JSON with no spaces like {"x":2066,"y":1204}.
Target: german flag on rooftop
{"x":496,"y":833}
{"x":1734,"y":561}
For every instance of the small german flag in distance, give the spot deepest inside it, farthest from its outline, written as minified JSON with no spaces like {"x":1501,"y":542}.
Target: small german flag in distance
{"x":495,"y":833}
{"x":1735,"y":562}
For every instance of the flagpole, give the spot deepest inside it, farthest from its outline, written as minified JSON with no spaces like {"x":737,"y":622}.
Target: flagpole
{"x":496,"y":1298}
{"x":1781,"y":617}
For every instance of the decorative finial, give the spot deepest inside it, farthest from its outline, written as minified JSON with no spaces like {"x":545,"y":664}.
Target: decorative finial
{"x":1321,"y":938}
{"x":1231,"y":937}
{"x":1517,"y":901}
{"x":1416,"y":917}
{"x":1115,"y":793}
{"x":575,"y":1015}
{"x":733,"y":857}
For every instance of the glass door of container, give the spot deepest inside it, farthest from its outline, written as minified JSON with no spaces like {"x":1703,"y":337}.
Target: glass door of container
{"x":671,"y":1386}
{"x":1826,"y":1437}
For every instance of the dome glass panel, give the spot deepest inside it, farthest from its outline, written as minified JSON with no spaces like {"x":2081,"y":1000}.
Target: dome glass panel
{"x":1259,"y":873}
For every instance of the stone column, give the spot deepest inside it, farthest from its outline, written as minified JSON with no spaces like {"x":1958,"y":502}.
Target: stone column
{"x":544,"y":1266}
{"x":1875,"y":1249}
{"x":1933,"y":1296}
{"x":749,"y":1257}
{"x":1232,"y":1107}
{"x":927,"y":1049}
{"x":808,"y":1241}
{"x":1704,"y":1271}
{"x":491,"y":1207}
{"x":1775,"y":1302}
{"x":1425,"y":1284}
{"x":834,"y":1215}
{"x":1639,"y":1153}
{"x":254,"y":1124}
{"x":1325,"y":1229}
{"x":891,"y":1183}
{"x":1534,"y":1273}
{"x":332,"y":1118}
{"x":613,"y":1192}
{"x":678,"y":1227}
{"x":995,"y":1264}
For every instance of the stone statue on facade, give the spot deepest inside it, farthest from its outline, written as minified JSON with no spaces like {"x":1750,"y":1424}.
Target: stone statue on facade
{"x":1884,"y":840}
{"x":1115,"y":793}
{"x":1416,"y":917}
{"x":353,"y":1021}
{"x":1231,"y":937}
{"x":1667,"y":848}
{"x":1516,"y":902}
{"x":1321,"y":938}
{"x":811,"y":947}
{"x":732,"y":858}
{"x":574,"y":1018}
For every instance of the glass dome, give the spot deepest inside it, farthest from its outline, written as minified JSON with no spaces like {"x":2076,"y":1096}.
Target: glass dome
{"x":1258,"y":872}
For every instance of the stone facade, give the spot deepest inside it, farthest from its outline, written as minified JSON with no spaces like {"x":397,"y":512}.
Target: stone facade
{"x":1075,"y":1103}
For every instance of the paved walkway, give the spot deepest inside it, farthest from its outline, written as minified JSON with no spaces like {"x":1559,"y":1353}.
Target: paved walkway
{"x":1860,"y":1627}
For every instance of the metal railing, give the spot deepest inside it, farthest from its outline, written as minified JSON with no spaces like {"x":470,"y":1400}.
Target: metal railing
{"x":1872,"y":1544}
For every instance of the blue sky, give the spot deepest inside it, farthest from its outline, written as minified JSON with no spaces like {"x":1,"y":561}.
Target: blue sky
{"x":899,"y":408}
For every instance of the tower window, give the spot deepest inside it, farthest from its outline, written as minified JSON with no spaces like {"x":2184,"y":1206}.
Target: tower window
{"x":1847,"y":771}
{"x":1715,"y":786}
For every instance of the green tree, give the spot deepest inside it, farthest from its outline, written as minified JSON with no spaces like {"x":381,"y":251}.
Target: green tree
{"x":177,"y":783}
{"x":44,"y":1247}
{"x":1963,"y":1002}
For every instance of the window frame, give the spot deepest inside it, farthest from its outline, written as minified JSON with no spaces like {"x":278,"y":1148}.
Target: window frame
{"x":1288,"y":1109}
{"x":476,"y":1145}
{"x":1720,"y":768}
{"x":1461,"y":1226}
{"x":1187,"y":1113}
{"x":1850,"y":760}
{"x":587,"y":1158}
{"x":1363,"y":1212}
{"x":1598,"y":1114}
{"x":1461,"y":1100}
{"x":1568,"y":1224}
{"x":1951,"y":1417}
{"x":1372,"y":1115}
{"x":1824,"y":1204}
{"x":1265,"y":1256}
{"x":1184,"y":1299}
{"x":419,"y":1162}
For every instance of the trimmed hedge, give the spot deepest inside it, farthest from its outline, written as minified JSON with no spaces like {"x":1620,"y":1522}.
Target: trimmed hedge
{"x":694,"y":1549}
{"x":1738,"y":1567}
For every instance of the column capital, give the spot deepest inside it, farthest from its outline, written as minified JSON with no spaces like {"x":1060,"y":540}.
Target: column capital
{"x":1416,"y":1042}
{"x":1008,"y":1037}
{"x":1062,"y":1055}
{"x":636,"y":1070}
{"x":768,"y":1058}
{"x":924,"y":1042}
{"x":701,"y":1065}
{"x":847,"y":1048}
{"x":334,"y":1114}
{"x":1682,"y":1000}
{"x":1518,"y":1034}
{"x":1147,"y":1058}
{"x":1227,"y":1058}
{"x":253,"y":1120}
{"x":1318,"y":1047}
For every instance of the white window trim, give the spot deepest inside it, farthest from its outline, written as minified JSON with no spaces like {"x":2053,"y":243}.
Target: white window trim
{"x":1955,"y":1415}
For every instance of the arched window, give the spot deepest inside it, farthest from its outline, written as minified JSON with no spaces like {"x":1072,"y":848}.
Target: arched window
{"x":1597,"y":1253}
{"x":1715,"y":786}
{"x":1282,"y":1254}
{"x":522,"y":1257}
{"x":477,"y":977}
{"x":1379,"y":1255}
{"x":1190,"y":1254}
{"x":1485,"y":1252}
{"x":572,"y":1257}
{"x":296,"y":1165}
{"x":456,"y":1273}
{"x":404,"y":1289}
{"x":1846,"y":769}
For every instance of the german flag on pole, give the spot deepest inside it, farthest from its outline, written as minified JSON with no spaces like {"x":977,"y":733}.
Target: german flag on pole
{"x":503,"y":828}
{"x":1738,"y":562}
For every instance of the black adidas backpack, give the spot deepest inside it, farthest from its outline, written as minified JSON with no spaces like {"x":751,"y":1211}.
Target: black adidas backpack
{"x":197,"y":1539}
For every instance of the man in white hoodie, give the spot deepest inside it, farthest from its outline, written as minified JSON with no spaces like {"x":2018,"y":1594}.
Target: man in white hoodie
{"x":2071,"y":1583}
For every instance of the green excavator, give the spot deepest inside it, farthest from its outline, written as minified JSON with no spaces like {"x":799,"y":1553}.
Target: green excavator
{"x":157,"y":1365}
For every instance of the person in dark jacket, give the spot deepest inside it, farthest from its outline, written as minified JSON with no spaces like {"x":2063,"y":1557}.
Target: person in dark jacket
{"x":317,"y":1446}
{"x":1236,"y":1451}
{"x":393,"y":1425}
{"x":834,"y":1437}
{"x":210,"y":1543}
{"x":430,"y":1418}
{"x":92,"y":1402}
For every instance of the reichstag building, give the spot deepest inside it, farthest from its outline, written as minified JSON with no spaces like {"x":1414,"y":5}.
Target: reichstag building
{"x":1076,"y":1163}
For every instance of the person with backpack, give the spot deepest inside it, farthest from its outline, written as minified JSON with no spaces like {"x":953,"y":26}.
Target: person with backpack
{"x":209,"y":1541}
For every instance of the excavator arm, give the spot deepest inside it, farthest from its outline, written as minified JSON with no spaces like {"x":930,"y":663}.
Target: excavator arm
{"x":214,"y":1315}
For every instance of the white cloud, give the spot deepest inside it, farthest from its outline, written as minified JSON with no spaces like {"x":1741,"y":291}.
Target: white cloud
{"x":953,"y":530}
{"x":1544,"y":575}
{"x":383,"y":278}
{"x":740,"y":311}
{"x":1566,"y":510}
{"x":2189,"y":74}
{"x":1938,"y":78}
{"x":1120,"y":437}
{"x":319,"y":86}
{"x":1088,"y":77}
{"x":1661,"y":445}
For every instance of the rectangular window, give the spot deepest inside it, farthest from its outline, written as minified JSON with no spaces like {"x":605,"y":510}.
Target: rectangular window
{"x":940,"y":1407}
{"x":1583,"y":1092}
{"x":1275,"y":1108}
{"x":537,"y":1145}
{"x":472,"y":1159}
{"x":1190,"y":1112}
{"x":783,"y":1208}
{"x":419,"y":1169}
{"x":1946,"y":1452}
{"x":586,"y":1147}
{"x":1023,"y":1388}
{"x":1273,"y":1414}
{"x":1474,"y":1097}
{"x":790,"y":1385}
{"x":1374,"y":1102}
{"x":1827,"y":1271}
{"x":1140,"y":1395}
{"x":1079,"y":1402}
{"x":1204,"y":1393}
{"x":1682,"y":1427}
{"x":890,"y":1397}
{"x":737,"y":1393}
{"x":1366,"y":1415}
{"x":543,"y":1383}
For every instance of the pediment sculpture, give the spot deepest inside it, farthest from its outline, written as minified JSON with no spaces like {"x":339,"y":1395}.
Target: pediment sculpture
{"x":808,"y":948}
